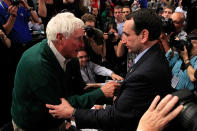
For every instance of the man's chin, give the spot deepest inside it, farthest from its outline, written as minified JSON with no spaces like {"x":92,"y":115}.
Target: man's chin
{"x":129,"y":51}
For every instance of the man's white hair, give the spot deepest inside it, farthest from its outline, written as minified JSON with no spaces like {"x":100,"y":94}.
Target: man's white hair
{"x":65,"y":23}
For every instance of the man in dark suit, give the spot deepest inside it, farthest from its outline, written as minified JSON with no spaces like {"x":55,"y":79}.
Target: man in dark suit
{"x":148,"y":77}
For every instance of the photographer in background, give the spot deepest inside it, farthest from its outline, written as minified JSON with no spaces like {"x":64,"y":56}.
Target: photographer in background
{"x":178,"y":19}
{"x":93,"y":39}
{"x":14,"y":16}
{"x":20,"y":12}
{"x":111,"y":40}
{"x":183,"y":61}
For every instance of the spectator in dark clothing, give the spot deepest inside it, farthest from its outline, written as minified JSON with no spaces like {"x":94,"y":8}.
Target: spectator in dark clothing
{"x":93,"y":39}
{"x":191,"y":14}
{"x":107,"y":13}
{"x":48,"y":8}
{"x":96,"y":13}
{"x":15,"y":20}
{"x":6,"y":77}
{"x":111,"y":37}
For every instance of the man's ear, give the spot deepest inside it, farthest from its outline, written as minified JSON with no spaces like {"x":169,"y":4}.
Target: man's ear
{"x":59,"y":36}
{"x":60,"y":42}
{"x":144,"y":35}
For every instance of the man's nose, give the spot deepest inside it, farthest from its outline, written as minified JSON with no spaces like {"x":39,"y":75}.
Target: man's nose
{"x":123,"y":39}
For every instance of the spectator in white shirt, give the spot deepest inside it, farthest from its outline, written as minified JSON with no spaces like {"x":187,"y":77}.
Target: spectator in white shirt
{"x":89,"y":69}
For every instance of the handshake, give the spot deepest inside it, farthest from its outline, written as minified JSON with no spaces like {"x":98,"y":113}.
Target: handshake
{"x":109,"y":88}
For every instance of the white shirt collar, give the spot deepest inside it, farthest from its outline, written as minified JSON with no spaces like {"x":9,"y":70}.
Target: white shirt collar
{"x":140,"y":55}
{"x":62,"y":61}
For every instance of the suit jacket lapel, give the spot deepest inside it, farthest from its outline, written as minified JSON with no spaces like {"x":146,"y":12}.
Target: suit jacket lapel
{"x":136,"y":65}
{"x":142,"y":59}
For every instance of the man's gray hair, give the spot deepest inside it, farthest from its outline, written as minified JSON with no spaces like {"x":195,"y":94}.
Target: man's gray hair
{"x":65,"y":23}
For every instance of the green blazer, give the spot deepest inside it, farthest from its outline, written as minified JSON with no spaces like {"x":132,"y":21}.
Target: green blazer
{"x":40,"y":80}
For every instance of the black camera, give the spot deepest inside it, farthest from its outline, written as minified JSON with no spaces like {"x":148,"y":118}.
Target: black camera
{"x":167,"y":25}
{"x":90,"y":31}
{"x":111,"y":36}
{"x":188,"y":116}
{"x":179,"y":44}
{"x":15,"y":2}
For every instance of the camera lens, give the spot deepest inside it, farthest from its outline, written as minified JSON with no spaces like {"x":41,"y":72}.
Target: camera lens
{"x":188,"y":117}
{"x":111,"y":36}
{"x":90,"y":31}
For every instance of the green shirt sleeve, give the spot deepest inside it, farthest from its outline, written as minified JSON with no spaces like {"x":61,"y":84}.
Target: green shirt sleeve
{"x":86,"y":100}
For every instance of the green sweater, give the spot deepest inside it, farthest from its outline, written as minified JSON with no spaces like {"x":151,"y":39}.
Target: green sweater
{"x":40,"y":80}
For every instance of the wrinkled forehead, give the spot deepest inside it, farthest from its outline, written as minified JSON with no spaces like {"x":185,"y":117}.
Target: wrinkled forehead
{"x":129,"y":24}
{"x":78,"y":32}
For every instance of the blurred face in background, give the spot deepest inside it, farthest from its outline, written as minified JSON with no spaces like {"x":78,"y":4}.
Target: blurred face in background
{"x":125,"y":11}
{"x":90,"y":23}
{"x":95,"y":11}
{"x":167,"y":13}
{"x":83,"y":58}
{"x":180,"y":3}
{"x":178,"y":20}
{"x":118,"y":14}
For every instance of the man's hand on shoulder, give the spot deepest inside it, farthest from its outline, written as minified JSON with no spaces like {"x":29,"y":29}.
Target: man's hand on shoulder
{"x":61,"y":111}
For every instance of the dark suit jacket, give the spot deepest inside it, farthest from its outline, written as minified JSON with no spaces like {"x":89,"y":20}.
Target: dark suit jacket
{"x":149,"y":77}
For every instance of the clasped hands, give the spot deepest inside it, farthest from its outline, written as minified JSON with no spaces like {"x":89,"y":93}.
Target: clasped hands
{"x":65,"y":110}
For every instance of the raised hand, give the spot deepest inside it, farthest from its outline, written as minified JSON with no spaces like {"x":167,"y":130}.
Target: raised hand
{"x":158,"y":116}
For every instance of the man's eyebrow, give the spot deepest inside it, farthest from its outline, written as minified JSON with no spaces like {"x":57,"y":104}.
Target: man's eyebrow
{"x":125,"y":33}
